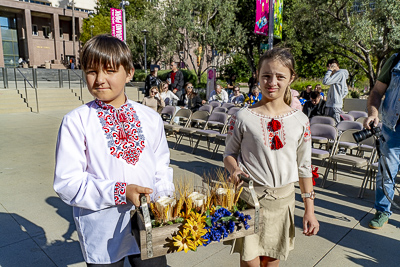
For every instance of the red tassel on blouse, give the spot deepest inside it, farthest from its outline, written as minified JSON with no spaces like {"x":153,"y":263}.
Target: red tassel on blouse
{"x":121,"y":134}
{"x":276,"y":143}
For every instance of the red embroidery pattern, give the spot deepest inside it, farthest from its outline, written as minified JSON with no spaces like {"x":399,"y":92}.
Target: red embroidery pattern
{"x":231,"y":125}
{"x":123,"y":131}
{"x":120,"y":193}
{"x":307,"y":133}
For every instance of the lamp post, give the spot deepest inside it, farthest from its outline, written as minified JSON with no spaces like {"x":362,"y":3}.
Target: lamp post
{"x":73,"y":29}
{"x":271,"y":25}
{"x":145,"y":52}
{"x":91,"y":15}
{"x":123,"y":4}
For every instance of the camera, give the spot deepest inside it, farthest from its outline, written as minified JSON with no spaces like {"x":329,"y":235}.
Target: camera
{"x":367,"y":133}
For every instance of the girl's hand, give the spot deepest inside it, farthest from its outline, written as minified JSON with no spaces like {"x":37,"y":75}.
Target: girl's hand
{"x":310,"y":224}
{"x":235,"y":177}
{"x":133,"y":193}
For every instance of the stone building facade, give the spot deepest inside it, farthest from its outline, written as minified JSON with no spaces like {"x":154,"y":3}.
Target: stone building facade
{"x":40,"y":32}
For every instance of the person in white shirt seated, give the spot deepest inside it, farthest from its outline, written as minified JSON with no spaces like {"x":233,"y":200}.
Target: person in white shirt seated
{"x":218,"y":95}
{"x":236,"y":97}
{"x":170,"y":99}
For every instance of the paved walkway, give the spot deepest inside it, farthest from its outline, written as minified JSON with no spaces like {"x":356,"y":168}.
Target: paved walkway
{"x":37,"y":229}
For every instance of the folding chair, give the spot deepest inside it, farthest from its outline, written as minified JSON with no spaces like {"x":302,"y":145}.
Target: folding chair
{"x":233,"y":110}
{"x":215,"y":104}
{"x":228,"y":105}
{"x":357,"y":114}
{"x":325,"y":132}
{"x":220,"y":109}
{"x":206,"y":107}
{"x":346,"y":117}
{"x":219,"y":119}
{"x":188,"y":131}
{"x":220,"y":138}
{"x":167,"y":113}
{"x":346,"y":159}
{"x":323,"y":120}
{"x":349,"y":144}
{"x":184,"y":119}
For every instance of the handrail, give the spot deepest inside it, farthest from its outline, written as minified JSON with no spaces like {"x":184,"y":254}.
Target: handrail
{"x":80,"y":83}
{"x":26,"y":92}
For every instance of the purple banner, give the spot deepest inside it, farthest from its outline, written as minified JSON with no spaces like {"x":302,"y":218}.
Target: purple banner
{"x":117,"y":27}
{"x":262,"y":16}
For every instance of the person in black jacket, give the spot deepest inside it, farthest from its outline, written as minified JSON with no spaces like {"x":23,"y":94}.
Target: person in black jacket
{"x":176,"y":80}
{"x":151,"y":80}
{"x":191,"y":100}
{"x":316,"y":105}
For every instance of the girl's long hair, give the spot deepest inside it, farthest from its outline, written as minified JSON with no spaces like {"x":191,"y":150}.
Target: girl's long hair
{"x":284,"y":56}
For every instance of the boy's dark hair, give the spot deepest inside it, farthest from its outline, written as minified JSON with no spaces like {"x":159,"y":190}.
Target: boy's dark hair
{"x":331,"y":61}
{"x":104,"y":51}
{"x":314,"y":95}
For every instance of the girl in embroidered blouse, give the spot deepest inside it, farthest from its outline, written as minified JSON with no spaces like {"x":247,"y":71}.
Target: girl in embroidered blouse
{"x":270,"y":143}
{"x":109,"y":151}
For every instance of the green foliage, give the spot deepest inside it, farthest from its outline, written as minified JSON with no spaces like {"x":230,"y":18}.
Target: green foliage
{"x":238,"y":66}
{"x":96,"y":25}
{"x":300,"y":84}
{"x":189,"y":76}
{"x":360,"y":39}
{"x":136,"y":8}
{"x":354,"y":93}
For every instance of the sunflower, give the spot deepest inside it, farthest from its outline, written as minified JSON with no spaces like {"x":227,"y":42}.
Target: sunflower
{"x":184,"y":241}
{"x":195,"y":225}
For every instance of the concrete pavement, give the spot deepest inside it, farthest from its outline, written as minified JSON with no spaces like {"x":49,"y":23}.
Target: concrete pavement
{"x":37,"y":228}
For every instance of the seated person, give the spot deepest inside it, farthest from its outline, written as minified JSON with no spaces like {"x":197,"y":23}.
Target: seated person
{"x":295,"y":100}
{"x":306,"y":93}
{"x":218,"y":95}
{"x":236,"y":97}
{"x":254,"y":97}
{"x":191,"y":99}
{"x":154,"y":100}
{"x":314,"y":107}
{"x":168,"y":96}
{"x":318,"y":88}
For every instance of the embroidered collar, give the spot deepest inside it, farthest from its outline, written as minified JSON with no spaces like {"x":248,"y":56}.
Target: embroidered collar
{"x":107,"y":106}
{"x":272,"y":117}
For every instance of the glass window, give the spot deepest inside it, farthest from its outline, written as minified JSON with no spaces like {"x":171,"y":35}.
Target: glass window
{"x":35,"y":30}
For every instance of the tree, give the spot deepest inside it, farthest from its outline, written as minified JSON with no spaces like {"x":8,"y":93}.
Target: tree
{"x":205,"y":24}
{"x":135,"y":9}
{"x":98,"y":24}
{"x":363,"y":32}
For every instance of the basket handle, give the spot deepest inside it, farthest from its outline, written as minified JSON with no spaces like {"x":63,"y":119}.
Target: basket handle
{"x":147,"y":224}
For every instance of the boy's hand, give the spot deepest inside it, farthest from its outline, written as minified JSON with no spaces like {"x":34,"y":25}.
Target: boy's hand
{"x":133,"y":193}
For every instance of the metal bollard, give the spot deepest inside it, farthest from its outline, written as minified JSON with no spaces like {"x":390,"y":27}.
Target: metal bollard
{"x":60,"y":79}
{"x":15,"y":78}
{"x":69,"y":79}
{"x":5,"y":78}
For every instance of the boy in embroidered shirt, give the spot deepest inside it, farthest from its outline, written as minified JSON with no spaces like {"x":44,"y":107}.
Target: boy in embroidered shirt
{"x":108,"y":152}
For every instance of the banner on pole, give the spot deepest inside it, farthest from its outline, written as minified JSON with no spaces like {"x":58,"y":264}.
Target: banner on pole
{"x":262,"y":17}
{"x":262,"y":12}
{"x":278,"y":6}
{"x":117,"y":27}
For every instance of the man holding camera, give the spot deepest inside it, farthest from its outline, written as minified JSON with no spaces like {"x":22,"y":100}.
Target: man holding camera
{"x":336,"y":78}
{"x":388,"y":85}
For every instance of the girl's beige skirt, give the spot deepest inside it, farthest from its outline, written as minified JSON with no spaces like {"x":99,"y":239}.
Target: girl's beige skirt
{"x":276,"y":236}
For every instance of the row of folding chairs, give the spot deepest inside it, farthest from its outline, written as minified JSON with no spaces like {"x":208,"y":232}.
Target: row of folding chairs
{"x":353,"y":115}
{"x":335,"y":139}
{"x":200,"y":124}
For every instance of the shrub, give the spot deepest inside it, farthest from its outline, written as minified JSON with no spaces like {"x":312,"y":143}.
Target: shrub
{"x":355,"y":93}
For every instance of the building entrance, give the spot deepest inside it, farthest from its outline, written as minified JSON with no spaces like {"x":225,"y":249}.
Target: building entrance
{"x":9,"y":38}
